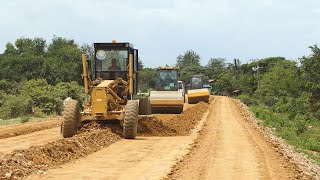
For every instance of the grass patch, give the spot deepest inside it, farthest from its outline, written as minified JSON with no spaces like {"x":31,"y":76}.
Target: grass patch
{"x":301,"y":131}
{"x":23,"y":119}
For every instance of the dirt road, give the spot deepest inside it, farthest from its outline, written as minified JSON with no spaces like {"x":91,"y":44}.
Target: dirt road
{"x":226,"y":148}
{"x":223,"y":145}
{"x":29,"y":127}
{"x":33,"y":139}
{"x":142,"y":158}
{"x":230,"y":148}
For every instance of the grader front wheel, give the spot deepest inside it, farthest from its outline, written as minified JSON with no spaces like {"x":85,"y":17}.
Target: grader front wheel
{"x":130,"y":123}
{"x":70,"y":117}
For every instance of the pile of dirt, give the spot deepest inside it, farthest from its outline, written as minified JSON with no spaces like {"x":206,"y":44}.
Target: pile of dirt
{"x":186,"y":121}
{"x":21,"y":129}
{"x":21,"y":163}
{"x":175,"y":125}
{"x":152,"y":126}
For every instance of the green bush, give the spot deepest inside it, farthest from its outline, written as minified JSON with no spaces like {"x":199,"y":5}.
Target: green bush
{"x":15,"y":106}
{"x":70,"y":89}
{"x":247,"y":100}
{"x":301,"y":131}
{"x":38,"y":98}
{"x":43,"y":95}
{"x":25,"y":119}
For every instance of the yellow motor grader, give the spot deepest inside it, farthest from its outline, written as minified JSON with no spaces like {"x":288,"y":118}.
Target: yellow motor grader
{"x":110,"y":96}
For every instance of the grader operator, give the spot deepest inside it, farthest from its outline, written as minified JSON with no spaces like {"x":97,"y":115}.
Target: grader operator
{"x":110,"y":88}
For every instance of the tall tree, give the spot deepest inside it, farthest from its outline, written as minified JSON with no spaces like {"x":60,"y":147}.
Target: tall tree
{"x":215,"y":67}
{"x":311,"y":76}
{"x":189,"y":58}
{"x":64,"y":56}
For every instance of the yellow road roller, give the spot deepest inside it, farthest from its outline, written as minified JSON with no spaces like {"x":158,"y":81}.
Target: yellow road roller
{"x":167,"y":98}
{"x":196,"y":92}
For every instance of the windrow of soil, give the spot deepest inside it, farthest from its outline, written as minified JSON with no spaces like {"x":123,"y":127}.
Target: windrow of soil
{"x":91,"y":138}
{"x":27,"y":128}
{"x":21,"y":163}
{"x":177,"y":125}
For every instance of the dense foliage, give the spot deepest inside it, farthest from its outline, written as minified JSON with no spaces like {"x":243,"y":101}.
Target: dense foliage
{"x":36,"y":77}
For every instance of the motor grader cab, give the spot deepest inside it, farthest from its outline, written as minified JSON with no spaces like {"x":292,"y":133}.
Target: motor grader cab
{"x":167,"y":98}
{"x":110,"y":86}
{"x":196,"y":92}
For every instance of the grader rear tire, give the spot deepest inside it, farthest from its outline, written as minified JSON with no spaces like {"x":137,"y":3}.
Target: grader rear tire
{"x":130,"y":123}
{"x":70,"y":117}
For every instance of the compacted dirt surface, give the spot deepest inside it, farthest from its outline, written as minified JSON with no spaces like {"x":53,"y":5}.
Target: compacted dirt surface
{"x":206,"y":141}
{"x":229,"y":147}
{"x":26,"y":128}
{"x":33,"y":139}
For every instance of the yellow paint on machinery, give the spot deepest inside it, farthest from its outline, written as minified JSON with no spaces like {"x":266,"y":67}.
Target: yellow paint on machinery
{"x":105,"y":104}
{"x":198,"y":93}
{"x":108,"y":96}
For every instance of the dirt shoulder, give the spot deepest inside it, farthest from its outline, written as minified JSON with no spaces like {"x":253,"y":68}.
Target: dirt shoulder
{"x":306,"y":166}
{"x":26,"y":128}
{"x":231,"y":146}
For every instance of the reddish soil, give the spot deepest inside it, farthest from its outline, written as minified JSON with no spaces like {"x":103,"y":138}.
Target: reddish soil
{"x":91,"y":138}
{"x":26,"y":128}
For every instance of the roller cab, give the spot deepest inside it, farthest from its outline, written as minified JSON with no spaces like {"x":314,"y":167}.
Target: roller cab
{"x":197,"y":93}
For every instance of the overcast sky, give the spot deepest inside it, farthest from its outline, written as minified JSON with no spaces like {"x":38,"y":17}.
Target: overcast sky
{"x":163,"y":29}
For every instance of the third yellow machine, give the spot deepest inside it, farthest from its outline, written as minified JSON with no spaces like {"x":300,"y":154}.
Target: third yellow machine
{"x":196,"y":92}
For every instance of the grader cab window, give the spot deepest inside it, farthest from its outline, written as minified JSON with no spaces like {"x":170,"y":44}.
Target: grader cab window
{"x":112,"y":64}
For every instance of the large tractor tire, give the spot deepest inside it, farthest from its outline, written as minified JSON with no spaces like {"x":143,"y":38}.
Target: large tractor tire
{"x":70,"y":117}
{"x":145,"y":106}
{"x":130,"y":123}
